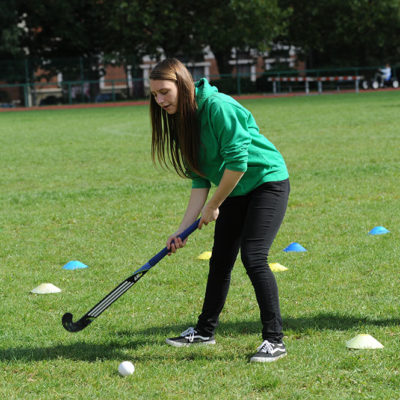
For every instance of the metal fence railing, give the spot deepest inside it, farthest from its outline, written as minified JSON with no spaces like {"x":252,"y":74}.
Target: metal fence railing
{"x":70,"y":92}
{"x":53,"y":92}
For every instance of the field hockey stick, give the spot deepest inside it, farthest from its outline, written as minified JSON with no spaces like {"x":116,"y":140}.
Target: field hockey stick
{"x":71,"y":326}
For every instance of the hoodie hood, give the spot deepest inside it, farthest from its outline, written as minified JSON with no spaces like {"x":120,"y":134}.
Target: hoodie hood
{"x":203,"y":91}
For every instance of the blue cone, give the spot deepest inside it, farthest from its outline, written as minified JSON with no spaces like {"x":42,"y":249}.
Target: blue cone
{"x":294,"y":247}
{"x":74,"y":265}
{"x":378,"y":230}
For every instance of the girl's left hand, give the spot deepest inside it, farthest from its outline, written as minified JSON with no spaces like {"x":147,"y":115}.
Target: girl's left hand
{"x":208,"y":214}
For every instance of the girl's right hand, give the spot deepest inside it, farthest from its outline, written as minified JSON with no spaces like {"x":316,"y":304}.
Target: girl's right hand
{"x":174,"y":242}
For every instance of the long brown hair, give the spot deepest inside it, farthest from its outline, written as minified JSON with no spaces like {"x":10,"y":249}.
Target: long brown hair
{"x":175,"y":138}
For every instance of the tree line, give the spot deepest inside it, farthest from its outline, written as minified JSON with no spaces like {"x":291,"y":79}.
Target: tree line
{"x":326,"y":33}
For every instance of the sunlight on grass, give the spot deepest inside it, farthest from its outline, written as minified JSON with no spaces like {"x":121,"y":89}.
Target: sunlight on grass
{"x":80,"y":185}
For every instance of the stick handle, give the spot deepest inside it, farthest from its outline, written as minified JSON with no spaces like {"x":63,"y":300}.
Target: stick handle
{"x":159,"y":256}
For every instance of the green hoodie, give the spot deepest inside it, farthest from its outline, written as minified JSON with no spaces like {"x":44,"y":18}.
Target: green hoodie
{"x":230,"y":139}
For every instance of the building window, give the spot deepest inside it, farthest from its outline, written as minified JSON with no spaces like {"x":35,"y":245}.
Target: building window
{"x":199,"y":69}
{"x":246,"y":68}
{"x":197,"y":72}
{"x":280,"y":57}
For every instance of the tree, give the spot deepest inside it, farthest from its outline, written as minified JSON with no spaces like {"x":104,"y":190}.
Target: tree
{"x":11,"y":52}
{"x":68,"y":36}
{"x":9,"y":30}
{"x":345,"y":33}
{"x":57,"y":30}
{"x":242,"y":25}
{"x":76,"y":37}
{"x":184,"y":28}
{"x":153,"y":27}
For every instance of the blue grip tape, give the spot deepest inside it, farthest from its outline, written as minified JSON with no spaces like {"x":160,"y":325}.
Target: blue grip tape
{"x":159,"y":256}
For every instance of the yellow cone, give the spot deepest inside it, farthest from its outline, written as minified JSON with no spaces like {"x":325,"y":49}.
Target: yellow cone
{"x":363,"y":341}
{"x":46,"y":288}
{"x":276,"y":267}
{"x":204,"y":256}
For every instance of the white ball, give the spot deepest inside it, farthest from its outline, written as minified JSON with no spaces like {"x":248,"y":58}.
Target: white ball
{"x":126,"y":368}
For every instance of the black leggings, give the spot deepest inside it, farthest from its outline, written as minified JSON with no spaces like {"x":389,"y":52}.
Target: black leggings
{"x":249,"y":223}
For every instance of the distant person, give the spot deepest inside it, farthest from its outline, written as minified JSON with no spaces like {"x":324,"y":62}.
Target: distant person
{"x":384,"y":75}
{"x":210,"y":138}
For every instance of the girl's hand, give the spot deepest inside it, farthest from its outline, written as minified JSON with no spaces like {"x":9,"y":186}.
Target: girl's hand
{"x":174,"y":242}
{"x":208,"y":214}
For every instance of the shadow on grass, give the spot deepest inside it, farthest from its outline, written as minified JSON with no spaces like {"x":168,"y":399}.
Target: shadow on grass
{"x":75,"y":351}
{"x":335,"y":322}
{"x":318,"y":322}
{"x":133,"y":339}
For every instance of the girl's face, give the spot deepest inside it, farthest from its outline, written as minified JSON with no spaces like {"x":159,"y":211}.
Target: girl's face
{"x":165,"y":93}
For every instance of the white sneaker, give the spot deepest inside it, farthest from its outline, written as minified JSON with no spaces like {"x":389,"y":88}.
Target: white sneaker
{"x":189,"y":337}
{"x":269,"y":352}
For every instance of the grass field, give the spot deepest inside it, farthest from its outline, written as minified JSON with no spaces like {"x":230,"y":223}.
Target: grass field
{"x":80,"y":185}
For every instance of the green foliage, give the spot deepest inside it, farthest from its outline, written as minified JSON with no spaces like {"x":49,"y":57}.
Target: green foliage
{"x":79,"y":184}
{"x":242,"y":25}
{"x":59,"y":32}
{"x":9,"y":30}
{"x":147,"y":27}
{"x":136,"y":27}
{"x":327,"y":33}
{"x":11,"y":52}
{"x":345,"y":33}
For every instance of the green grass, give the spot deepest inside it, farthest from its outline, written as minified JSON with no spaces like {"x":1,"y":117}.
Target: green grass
{"x":80,"y":185}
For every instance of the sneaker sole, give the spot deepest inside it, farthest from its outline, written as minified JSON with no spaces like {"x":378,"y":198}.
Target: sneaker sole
{"x":178,"y":344}
{"x":267,"y":359}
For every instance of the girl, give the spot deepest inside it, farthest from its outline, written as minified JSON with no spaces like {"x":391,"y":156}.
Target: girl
{"x":210,"y":138}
